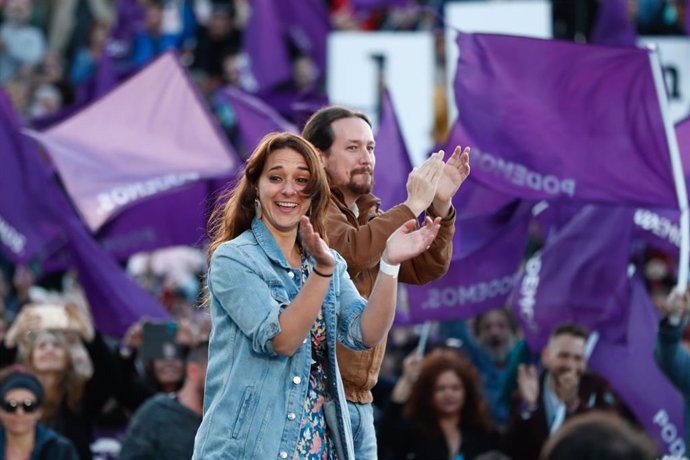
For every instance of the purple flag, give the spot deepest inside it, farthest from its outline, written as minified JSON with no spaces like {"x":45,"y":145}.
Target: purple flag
{"x":103,"y":81}
{"x":631,"y":370}
{"x":308,"y":25}
{"x":367,"y":5}
{"x":131,"y":18}
{"x":116,"y":300}
{"x":613,"y":25}
{"x":538,"y":116}
{"x":266,"y":46}
{"x":28,"y":227}
{"x":117,"y":152}
{"x":683,"y":136}
{"x":575,"y":276}
{"x":393,"y":163}
{"x":254,"y":117}
{"x":39,"y":215}
{"x":477,"y":281}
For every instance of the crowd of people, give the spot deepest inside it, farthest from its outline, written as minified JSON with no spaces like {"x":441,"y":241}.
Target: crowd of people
{"x":293,"y":352}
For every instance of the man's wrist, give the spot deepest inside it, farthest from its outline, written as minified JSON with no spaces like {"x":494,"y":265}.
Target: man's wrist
{"x":441,"y":208}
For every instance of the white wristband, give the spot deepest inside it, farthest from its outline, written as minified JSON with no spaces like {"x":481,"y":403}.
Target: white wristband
{"x":388,"y":269}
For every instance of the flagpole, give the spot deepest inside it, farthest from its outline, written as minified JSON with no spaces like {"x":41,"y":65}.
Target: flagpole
{"x":677,"y":167}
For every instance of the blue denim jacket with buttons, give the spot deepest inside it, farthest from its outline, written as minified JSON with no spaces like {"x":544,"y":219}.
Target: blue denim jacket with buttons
{"x":254,"y":398}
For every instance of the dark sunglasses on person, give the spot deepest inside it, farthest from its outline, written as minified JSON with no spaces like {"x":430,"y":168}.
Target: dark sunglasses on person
{"x":11,"y":406}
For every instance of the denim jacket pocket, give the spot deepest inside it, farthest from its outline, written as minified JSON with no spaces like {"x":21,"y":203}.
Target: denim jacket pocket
{"x":243,"y":412}
{"x":279,"y":294}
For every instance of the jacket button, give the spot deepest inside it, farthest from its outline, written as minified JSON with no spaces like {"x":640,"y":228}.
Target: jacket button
{"x":291,"y":416}
{"x":297,"y":380}
{"x":282,"y":454}
{"x":291,"y":274}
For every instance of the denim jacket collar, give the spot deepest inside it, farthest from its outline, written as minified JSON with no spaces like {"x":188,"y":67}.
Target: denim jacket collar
{"x":268,"y":243}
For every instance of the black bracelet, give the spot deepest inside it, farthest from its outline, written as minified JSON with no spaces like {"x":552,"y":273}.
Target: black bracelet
{"x":323,"y":275}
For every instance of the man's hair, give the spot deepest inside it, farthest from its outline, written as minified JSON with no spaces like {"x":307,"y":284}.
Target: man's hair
{"x":572,"y":329}
{"x":318,"y":130}
{"x":598,"y":435}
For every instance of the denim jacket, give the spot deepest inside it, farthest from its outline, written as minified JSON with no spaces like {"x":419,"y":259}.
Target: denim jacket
{"x":254,"y":398}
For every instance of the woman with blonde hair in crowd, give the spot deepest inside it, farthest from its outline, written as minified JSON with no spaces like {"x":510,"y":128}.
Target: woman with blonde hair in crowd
{"x":437,"y":410}
{"x":279,"y":299}
{"x":75,"y":367}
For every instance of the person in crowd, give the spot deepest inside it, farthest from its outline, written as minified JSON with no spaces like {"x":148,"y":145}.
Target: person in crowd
{"x":671,"y":354}
{"x":22,"y":436}
{"x":565,"y":388}
{"x":279,"y":299}
{"x":21,"y":44}
{"x":165,"y":426}
{"x":437,"y":410}
{"x":358,"y":230}
{"x":74,"y":394}
{"x":599,"y":436}
{"x":490,"y":343}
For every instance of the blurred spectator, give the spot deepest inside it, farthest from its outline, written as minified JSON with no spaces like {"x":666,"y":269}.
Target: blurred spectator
{"x":490,"y":345}
{"x":671,"y":354}
{"x":164,"y":427}
{"x":71,"y":20}
{"x":22,"y":436}
{"x":75,"y":391}
{"x":21,"y":44}
{"x":437,"y":410}
{"x":599,"y":436}
{"x":163,"y":373}
{"x":46,"y":101}
{"x":86,"y":59}
{"x":564,"y":389}
{"x":152,"y":41}
{"x":216,"y":40}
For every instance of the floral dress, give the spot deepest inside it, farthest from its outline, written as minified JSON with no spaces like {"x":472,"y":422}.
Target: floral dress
{"x":315,"y":442}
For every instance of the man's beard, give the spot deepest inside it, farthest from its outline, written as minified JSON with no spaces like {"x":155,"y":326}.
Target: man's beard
{"x":360,"y":188}
{"x":499,"y":355}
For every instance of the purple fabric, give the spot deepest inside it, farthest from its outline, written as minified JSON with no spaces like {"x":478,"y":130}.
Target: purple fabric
{"x":130,"y":19}
{"x":393,"y":163}
{"x":659,"y":228}
{"x":538,"y":116}
{"x":631,"y":370}
{"x":575,"y":276}
{"x":254,"y":118}
{"x":37,"y":207}
{"x":308,"y":25}
{"x":116,"y":300}
{"x":613,"y":25}
{"x":104,"y":80}
{"x":367,"y":5}
{"x":479,"y":280}
{"x":115,"y":153}
{"x":683,"y":136}
{"x":28,"y":226}
{"x":266,"y":46}
{"x":177,"y":217}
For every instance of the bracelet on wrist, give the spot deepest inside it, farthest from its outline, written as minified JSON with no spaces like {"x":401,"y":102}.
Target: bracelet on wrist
{"x":322,"y":275}
{"x":388,"y":269}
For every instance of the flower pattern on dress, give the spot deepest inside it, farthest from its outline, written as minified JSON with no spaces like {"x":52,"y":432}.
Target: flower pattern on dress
{"x":315,"y":442}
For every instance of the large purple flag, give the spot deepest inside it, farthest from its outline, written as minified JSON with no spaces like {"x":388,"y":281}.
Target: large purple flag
{"x":631,"y":370}
{"x":308,"y":25}
{"x":366,"y":5}
{"x":393,"y":163}
{"x":266,"y":46}
{"x":613,"y":25}
{"x":476,"y":281}
{"x":575,"y":277}
{"x":254,"y":117}
{"x":150,"y":135}
{"x":538,"y":116}
{"x":28,"y":227}
{"x":40,"y":217}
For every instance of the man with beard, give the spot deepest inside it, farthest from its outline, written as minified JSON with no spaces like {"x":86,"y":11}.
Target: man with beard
{"x":490,"y":345}
{"x":164,"y":427}
{"x":564,"y":389}
{"x":358,"y":230}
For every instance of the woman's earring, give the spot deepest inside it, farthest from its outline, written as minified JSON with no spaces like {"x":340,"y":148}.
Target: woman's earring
{"x":257,"y":208}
